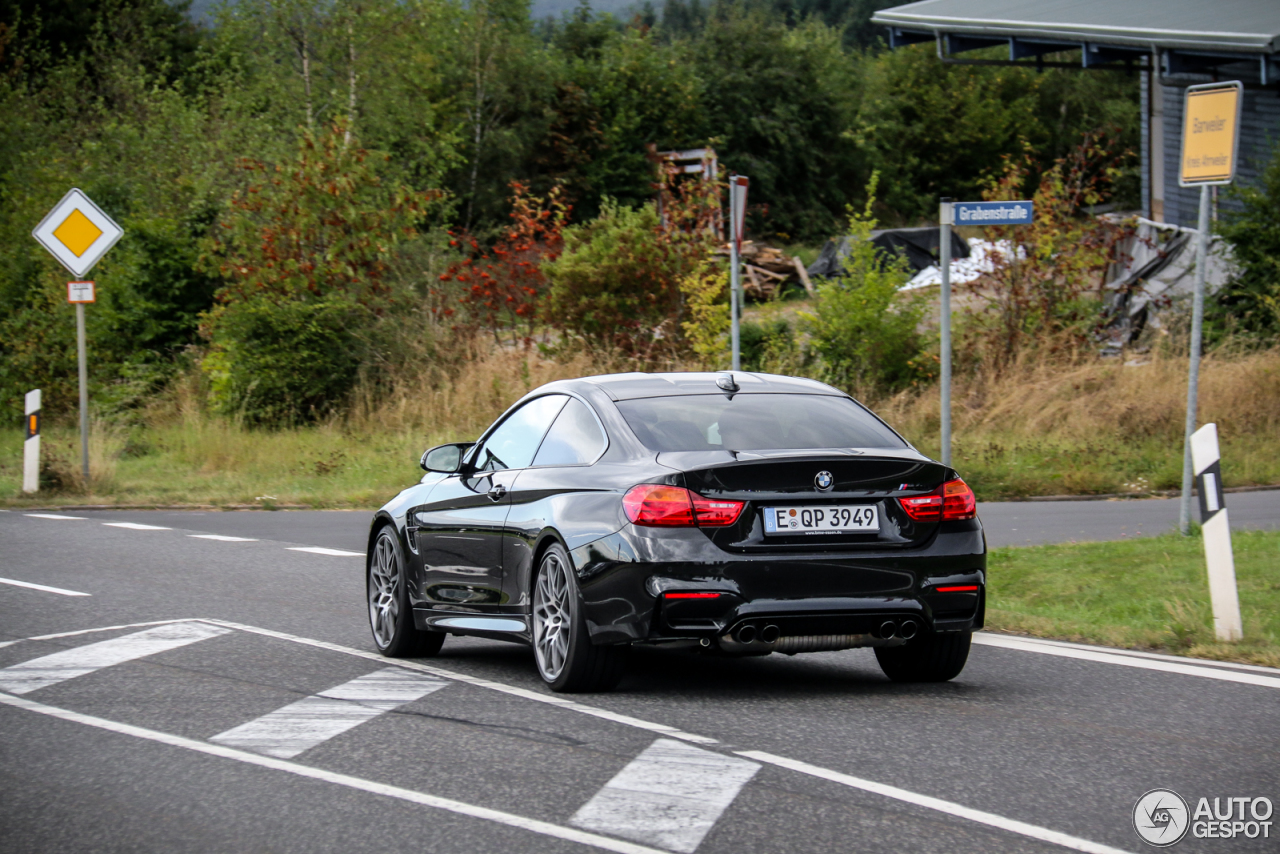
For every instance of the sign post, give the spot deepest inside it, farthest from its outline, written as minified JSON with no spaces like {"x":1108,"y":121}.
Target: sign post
{"x":1224,"y":596}
{"x":737,"y":218}
{"x":31,"y":446}
{"x":78,"y":234}
{"x":1210,"y":136}
{"x":963,"y":213}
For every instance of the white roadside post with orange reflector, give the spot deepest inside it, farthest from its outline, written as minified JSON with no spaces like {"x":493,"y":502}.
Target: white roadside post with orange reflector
{"x":31,"y":445}
{"x":78,"y":234}
{"x":1223,"y":594}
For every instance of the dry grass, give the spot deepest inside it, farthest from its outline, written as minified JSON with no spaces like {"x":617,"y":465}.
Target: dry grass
{"x":1086,"y":426}
{"x":1100,"y":426}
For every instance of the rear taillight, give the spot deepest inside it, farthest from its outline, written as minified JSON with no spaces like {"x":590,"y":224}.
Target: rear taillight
{"x":951,"y":502}
{"x":659,"y":506}
{"x":958,"y":501}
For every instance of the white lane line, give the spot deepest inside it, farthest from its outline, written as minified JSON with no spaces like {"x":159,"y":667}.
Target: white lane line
{"x":53,"y":516}
{"x":58,"y":590}
{"x":1008,"y":642}
{"x":320,"y":550}
{"x":222,"y":538}
{"x":991,"y":819}
{"x":70,"y":663}
{"x":136,"y":526}
{"x":541,"y":827}
{"x":108,"y":629}
{"x":993,"y":639}
{"x":524,"y":693}
{"x":299,"y":726}
{"x":671,"y":795}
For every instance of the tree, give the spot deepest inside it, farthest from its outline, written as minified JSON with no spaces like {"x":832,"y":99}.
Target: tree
{"x":1251,"y":302}
{"x":779,"y":102}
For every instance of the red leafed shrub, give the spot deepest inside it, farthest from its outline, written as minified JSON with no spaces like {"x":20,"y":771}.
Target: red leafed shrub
{"x":498,"y":288}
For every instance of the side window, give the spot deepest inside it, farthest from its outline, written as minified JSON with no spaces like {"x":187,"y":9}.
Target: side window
{"x":574,"y":439}
{"x":513,"y":444}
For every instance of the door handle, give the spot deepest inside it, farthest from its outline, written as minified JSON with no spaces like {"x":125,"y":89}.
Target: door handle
{"x":497,"y":492}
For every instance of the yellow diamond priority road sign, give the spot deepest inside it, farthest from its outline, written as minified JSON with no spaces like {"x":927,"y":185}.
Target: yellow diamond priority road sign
{"x":77,"y":232}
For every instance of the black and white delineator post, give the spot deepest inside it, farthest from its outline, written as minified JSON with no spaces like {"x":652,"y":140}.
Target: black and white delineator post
{"x":1217,"y":535}
{"x":737,"y":218}
{"x":31,"y":447}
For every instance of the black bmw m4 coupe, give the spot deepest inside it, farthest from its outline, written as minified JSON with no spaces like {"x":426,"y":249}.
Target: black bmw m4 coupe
{"x":731,"y":513}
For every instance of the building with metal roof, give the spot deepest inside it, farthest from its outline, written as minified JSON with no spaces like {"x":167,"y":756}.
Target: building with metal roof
{"x":1170,"y":44}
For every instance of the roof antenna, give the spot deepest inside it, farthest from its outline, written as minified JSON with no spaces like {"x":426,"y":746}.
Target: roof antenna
{"x":726,"y":381}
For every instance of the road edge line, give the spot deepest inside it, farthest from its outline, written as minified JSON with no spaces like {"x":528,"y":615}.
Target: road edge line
{"x":1020,"y":645}
{"x":979,"y":637}
{"x":1011,"y":825}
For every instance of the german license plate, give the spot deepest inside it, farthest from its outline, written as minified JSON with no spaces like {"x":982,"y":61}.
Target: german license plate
{"x":847,"y":519}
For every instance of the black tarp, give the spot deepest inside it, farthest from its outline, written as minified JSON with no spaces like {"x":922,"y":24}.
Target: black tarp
{"x":918,"y":245}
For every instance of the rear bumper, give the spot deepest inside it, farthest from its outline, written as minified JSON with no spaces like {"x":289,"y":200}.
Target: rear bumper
{"x":626,"y":580}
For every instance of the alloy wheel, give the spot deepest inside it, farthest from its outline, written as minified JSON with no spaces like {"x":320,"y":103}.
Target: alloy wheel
{"x":552,"y":616}
{"x":384,"y":592}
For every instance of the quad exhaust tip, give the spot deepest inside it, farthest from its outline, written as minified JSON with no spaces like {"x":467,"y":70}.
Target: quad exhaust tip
{"x":747,"y":634}
{"x":769,"y":634}
{"x":888,"y":629}
{"x":908,"y":629}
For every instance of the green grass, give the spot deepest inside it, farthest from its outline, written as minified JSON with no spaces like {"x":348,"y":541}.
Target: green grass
{"x":215,"y":463}
{"x":1147,"y":593}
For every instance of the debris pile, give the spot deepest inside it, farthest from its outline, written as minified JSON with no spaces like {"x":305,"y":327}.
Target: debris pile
{"x":766,"y":269}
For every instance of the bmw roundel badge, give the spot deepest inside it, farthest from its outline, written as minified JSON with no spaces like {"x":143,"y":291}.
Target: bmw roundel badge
{"x":824,"y":481}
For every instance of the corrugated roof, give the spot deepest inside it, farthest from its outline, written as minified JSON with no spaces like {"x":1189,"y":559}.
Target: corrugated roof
{"x":1244,"y":26}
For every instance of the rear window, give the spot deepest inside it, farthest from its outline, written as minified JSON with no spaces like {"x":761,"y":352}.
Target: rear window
{"x":755,"y":422}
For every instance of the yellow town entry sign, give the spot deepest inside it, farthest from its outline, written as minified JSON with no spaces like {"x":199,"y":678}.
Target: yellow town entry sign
{"x":1210,"y":134}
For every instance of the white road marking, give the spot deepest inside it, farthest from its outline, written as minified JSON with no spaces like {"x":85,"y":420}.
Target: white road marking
{"x":70,"y":663}
{"x":222,"y":538}
{"x":320,"y":550}
{"x":990,"y":819}
{"x":554,"y":700}
{"x":58,"y":590}
{"x":54,"y":516}
{"x":136,"y":526}
{"x":993,"y":639}
{"x":548,"y":699}
{"x":533,"y":825}
{"x":299,"y":726}
{"x":671,"y":795}
{"x":1022,"y":645}
{"x":108,"y":629}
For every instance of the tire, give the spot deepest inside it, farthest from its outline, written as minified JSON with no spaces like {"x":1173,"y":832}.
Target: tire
{"x":933,"y":658}
{"x":390,"y":616}
{"x":567,"y":660}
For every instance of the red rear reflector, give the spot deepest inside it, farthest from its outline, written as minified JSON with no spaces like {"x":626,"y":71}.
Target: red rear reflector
{"x":659,"y":506}
{"x":965,"y":588}
{"x":953,"y":501}
{"x":691,"y":595}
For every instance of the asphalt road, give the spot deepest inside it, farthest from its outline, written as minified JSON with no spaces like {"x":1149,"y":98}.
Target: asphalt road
{"x":208,"y":731}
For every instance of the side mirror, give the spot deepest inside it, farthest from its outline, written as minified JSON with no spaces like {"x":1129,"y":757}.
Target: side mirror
{"x":445,"y":459}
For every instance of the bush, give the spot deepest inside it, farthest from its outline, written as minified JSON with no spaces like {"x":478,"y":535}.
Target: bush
{"x":1251,"y":302}
{"x":278,"y":363}
{"x":866,"y":332}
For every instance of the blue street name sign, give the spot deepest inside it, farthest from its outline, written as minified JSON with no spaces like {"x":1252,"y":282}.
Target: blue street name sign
{"x":993,"y":213}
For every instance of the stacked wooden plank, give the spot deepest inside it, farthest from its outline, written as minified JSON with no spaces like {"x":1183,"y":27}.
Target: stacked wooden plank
{"x":766,"y":269}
